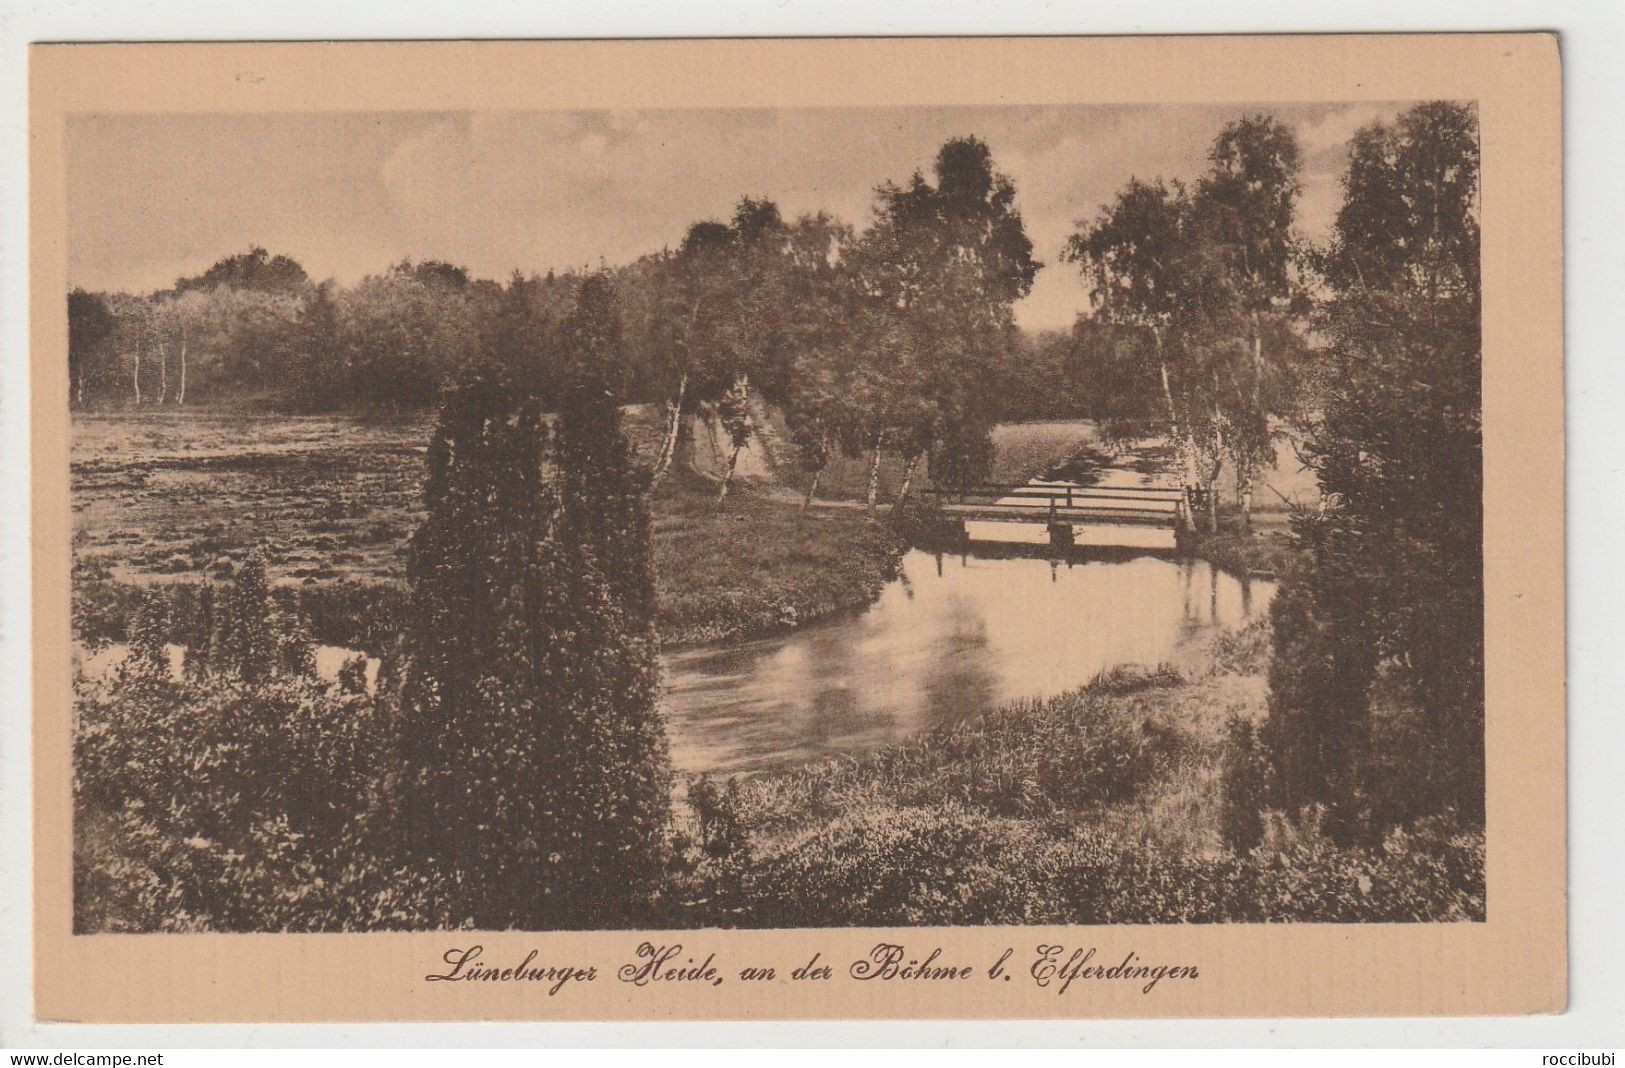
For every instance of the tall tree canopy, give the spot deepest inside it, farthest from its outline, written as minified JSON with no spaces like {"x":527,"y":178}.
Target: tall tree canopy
{"x":1198,"y":286}
{"x":946,"y":261}
{"x":1393,"y":590}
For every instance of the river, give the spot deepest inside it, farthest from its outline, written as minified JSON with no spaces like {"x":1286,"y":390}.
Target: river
{"x":953,"y":637}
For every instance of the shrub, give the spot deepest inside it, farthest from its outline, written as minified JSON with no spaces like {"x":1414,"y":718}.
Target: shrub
{"x":718,"y":811}
{"x":243,"y":797}
{"x":1430,"y":871}
{"x":215,"y":804}
{"x":890,"y":866}
{"x":1241,"y":822}
{"x":1318,"y":730}
{"x":945,"y":864}
{"x":354,"y":615}
{"x":1245,"y":650}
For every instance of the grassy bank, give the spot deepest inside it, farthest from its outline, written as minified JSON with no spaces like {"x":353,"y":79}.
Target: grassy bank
{"x":758,"y":565}
{"x":1023,"y":451}
{"x":1267,"y":553}
{"x":1103,"y":805}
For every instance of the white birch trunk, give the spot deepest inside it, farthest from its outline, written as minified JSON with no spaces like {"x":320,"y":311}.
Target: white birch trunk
{"x":874,"y":475}
{"x":812,"y":488}
{"x":674,"y":417}
{"x":1244,"y":493}
{"x":908,"y":481}
{"x":728,"y":475}
{"x":1183,"y":448}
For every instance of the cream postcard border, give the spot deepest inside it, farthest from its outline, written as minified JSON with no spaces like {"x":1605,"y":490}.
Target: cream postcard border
{"x":1515,"y":962}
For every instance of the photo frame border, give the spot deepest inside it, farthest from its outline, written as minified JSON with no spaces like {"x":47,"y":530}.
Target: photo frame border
{"x":1513,"y":962}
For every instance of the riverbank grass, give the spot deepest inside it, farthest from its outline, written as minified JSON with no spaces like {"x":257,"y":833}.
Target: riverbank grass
{"x":1103,"y":805}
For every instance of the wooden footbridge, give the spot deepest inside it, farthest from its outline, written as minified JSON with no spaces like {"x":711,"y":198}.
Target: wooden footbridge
{"x":1067,"y":509}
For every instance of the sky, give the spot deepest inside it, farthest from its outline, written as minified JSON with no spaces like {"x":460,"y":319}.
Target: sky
{"x":154,"y":197}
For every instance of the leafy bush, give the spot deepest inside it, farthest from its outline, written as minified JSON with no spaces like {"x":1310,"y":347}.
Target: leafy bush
{"x":888,"y":866}
{"x":245,"y":796}
{"x":717,"y":810}
{"x":1429,"y":871}
{"x":1245,"y":650}
{"x":215,"y":804}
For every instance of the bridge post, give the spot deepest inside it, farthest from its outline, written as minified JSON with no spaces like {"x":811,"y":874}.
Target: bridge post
{"x":1062,"y":537}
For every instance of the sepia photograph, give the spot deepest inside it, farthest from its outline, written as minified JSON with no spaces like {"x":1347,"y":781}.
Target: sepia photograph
{"x":776,"y":517}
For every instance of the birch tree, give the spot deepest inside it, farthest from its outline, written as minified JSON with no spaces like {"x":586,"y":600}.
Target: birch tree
{"x":1244,"y":206}
{"x":1136,"y":258}
{"x":949,"y":256}
{"x":1392,"y":585}
{"x":692,"y":317}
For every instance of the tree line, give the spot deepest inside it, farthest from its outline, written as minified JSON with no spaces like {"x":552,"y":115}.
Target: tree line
{"x":897,"y":339}
{"x":882,"y":340}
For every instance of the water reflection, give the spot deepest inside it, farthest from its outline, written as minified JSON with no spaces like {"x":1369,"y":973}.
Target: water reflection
{"x":954,"y":636}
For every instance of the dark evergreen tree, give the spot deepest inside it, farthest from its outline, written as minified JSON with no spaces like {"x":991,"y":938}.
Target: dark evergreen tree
{"x":1241,"y":822}
{"x":535,"y":753}
{"x":148,"y":661}
{"x":321,"y":368}
{"x":91,"y":324}
{"x":519,"y":336}
{"x":604,"y":491}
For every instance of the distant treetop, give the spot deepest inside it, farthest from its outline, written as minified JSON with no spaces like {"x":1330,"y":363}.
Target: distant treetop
{"x":255,"y":269}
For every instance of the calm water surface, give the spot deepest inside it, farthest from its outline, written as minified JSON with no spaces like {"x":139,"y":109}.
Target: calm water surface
{"x":951,"y":638}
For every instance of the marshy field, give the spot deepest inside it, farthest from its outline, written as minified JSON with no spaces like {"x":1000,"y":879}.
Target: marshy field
{"x":167,"y":500}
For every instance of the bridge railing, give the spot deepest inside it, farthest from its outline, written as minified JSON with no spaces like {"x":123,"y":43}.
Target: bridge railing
{"x":1064,"y":493}
{"x":1057,"y":503}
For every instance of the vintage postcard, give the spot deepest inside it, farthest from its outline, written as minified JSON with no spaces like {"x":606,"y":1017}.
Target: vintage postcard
{"x":798,"y":529}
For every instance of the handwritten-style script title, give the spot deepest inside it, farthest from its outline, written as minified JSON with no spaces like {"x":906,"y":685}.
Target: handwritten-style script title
{"x":1055,"y":968}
